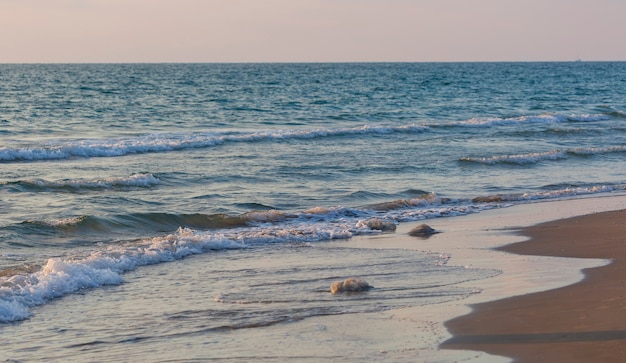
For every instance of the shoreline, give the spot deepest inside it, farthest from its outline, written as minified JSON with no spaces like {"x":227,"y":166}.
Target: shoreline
{"x":580,"y":322}
{"x":473,"y":241}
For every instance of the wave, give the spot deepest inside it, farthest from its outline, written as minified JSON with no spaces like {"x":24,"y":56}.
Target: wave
{"x":534,"y":158}
{"x":166,"y":142}
{"x":551,"y":194}
{"x":152,"y":222}
{"x":62,"y":276}
{"x":617,"y":114}
{"x":23,"y":288}
{"x":420,"y":207}
{"x":422,"y":200}
{"x":142,"y":180}
{"x":520,"y":159}
{"x":597,"y":150}
{"x":154,"y":143}
{"x":20,"y":290}
{"x":535,"y":119}
{"x":612,"y":111}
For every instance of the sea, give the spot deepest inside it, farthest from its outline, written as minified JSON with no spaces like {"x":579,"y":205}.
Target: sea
{"x":189,"y":208}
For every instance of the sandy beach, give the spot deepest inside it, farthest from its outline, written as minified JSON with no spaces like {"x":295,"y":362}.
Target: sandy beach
{"x":582,"y":322}
{"x":475,"y":241}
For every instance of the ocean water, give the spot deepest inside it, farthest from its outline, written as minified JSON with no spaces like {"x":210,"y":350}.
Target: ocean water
{"x":107,"y":170}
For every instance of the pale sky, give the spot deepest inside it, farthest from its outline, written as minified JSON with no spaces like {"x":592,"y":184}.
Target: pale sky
{"x":310,"y":30}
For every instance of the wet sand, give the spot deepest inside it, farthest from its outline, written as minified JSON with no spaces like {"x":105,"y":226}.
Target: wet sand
{"x":583,"y":322}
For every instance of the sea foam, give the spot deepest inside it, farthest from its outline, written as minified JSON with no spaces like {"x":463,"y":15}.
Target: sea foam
{"x":62,"y":276}
{"x":552,"y":155}
{"x":141,"y":180}
{"x":164,"y":142}
{"x":544,"y":118}
{"x":552,"y":194}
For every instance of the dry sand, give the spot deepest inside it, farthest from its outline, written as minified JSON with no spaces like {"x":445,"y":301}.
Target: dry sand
{"x":583,"y":322}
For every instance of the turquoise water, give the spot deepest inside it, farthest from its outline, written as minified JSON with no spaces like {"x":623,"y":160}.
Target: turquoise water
{"x":107,"y":169}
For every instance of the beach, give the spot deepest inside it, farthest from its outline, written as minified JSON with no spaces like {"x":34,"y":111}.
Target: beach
{"x":577,"y":323}
{"x":194,"y":212}
{"x":486,"y":240}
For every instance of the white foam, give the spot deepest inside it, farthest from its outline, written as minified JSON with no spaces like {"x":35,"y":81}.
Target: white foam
{"x":533,"y":158}
{"x":529,"y":158}
{"x":62,"y":276}
{"x":135,"y":180}
{"x":266,"y":216}
{"x":164,"y":142}
{"x":598,"y":150}
{"x":544,"y":118}
{"x":571,"y":192}
{"x":69,"y":221}
{"x":559,"y":193}
{"x":588,"y":117}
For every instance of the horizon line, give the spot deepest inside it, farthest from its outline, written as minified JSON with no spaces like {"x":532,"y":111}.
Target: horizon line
{"x":309,"y":62}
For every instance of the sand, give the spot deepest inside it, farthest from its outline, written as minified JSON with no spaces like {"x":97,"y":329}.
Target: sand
{"x":583,"y":322}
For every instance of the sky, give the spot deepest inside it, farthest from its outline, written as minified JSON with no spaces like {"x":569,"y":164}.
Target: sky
{"x":104,"y":31}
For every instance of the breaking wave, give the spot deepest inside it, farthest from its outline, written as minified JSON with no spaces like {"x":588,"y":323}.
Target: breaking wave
{"x":154,"y":143}
{"x":62,"y":276}
{"x":552,"y":194}
{"x":151,"y":222}
{"x":165,"y":142}
{"x":357,"y":220}
{"x":143,"y":180}
{"x":538,"y":119}
{"x":534,"y":158}
{"x":29,"y":286}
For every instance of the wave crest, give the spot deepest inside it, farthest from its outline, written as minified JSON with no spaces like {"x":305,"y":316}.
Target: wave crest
{"x":154,"y":143}
{"x":520,"y":159}
{"x":62,"y":276}
{"x":166,"y":142}
{"x":552,"y":194}
{"x":422,"y":200}
{"x":141,"y":180}
{"x":553,"y":155}
{"x":544,"y":118}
